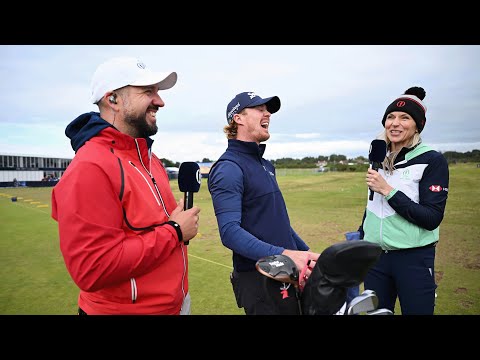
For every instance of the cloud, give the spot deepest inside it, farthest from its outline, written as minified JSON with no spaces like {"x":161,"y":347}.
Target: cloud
{"x":333,"y":97}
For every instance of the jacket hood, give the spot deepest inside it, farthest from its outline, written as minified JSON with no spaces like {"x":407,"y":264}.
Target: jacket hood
{"x":84,"y":127}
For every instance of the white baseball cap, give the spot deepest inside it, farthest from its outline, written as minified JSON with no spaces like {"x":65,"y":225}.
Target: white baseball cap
{"x":122,"y":71}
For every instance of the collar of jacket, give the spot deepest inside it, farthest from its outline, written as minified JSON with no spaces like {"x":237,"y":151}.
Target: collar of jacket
{"x":123,"y":141}
{"x":248,"y":147}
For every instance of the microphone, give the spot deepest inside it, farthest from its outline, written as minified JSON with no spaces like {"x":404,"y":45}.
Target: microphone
{"x":189,"y":180}
{"x":377,"y":153}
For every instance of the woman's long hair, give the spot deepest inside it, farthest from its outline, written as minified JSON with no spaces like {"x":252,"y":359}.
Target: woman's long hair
{"x":388,"y":163}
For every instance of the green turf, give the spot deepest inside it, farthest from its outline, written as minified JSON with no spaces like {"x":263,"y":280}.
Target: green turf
{"x":322,"y":207}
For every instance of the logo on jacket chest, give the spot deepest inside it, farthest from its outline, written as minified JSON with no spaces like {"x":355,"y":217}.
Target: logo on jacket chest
{"x":271,"y":173}
{"x":405,"y":175}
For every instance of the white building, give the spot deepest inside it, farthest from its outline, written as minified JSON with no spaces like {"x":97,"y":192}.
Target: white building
{"x":31,"y":168}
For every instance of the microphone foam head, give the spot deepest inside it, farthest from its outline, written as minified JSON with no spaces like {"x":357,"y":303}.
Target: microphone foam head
{"x":189,"y":177}
{"x":378,"y":151}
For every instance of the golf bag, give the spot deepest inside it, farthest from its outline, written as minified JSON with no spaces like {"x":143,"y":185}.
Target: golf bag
{"x":339,"y":266}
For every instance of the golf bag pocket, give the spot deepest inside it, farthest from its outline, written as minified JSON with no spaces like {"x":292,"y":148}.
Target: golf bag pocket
{"x":281,"y":297}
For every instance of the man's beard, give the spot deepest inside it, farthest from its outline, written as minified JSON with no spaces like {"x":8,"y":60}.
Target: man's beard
{"x":140,"y":126}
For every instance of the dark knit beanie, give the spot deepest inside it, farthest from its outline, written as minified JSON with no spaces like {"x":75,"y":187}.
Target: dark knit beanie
{"x":411,"y":103}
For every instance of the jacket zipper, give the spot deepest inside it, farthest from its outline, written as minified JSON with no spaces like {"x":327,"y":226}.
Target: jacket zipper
{"x":382,"y":205}
{"x":159,"y":200}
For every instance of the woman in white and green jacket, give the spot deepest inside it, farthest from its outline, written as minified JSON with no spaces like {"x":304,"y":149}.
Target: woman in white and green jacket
{"x":411,"y":189}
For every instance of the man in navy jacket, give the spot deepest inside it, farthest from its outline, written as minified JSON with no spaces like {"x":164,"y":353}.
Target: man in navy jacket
{"x":251,"y":213}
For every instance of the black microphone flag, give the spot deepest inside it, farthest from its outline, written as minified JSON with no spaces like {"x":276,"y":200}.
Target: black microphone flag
{"x":377,"y":153}
{"x":189,"y":180}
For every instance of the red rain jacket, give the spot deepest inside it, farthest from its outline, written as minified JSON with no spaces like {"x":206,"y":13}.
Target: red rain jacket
{"x":111,"y":205}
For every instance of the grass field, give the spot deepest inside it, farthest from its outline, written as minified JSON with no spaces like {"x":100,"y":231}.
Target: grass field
{"x":322,"y":207}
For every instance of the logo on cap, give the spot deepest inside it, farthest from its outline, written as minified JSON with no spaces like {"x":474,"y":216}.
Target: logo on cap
{"x":141,"y":65}
{"x":401,"y":104}
{"x":233,"y":110}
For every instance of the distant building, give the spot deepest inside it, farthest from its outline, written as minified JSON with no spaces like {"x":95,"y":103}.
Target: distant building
{"x":31,"y":168}
{"x":172,"y":172}
{"x":205,"y":168}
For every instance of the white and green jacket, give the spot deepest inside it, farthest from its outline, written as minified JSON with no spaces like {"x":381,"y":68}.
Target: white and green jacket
{"x":410,"y":215}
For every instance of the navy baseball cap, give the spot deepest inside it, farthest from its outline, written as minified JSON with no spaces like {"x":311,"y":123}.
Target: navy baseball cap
{"x":250,"y":99}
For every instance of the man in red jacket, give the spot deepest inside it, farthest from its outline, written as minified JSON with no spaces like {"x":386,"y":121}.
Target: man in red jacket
{"x":121,"y":230}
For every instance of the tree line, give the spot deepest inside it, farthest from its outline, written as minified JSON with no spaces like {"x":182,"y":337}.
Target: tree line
{"x":341,"y":162}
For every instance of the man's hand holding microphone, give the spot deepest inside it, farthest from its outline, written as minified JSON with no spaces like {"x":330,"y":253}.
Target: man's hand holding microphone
{"x":186,"y":219}
{"x":189,"y":180}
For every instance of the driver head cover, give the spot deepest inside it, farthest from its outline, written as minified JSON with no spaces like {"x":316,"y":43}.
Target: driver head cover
{"x":338,"y":267}
{"x":278,"y":267}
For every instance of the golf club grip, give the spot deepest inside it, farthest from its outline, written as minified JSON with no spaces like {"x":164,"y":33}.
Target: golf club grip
{"x":187,"y":204}
{"x":371,"y":194}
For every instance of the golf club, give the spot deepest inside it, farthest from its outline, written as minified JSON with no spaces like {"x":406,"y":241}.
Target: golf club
{"x":281,"y":268}
{"x":339,"y":266}
{"x":380,"y":312}
{"x":365,"y":302}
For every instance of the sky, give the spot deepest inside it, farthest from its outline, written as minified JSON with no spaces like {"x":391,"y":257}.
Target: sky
{"x":333,"y":97}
